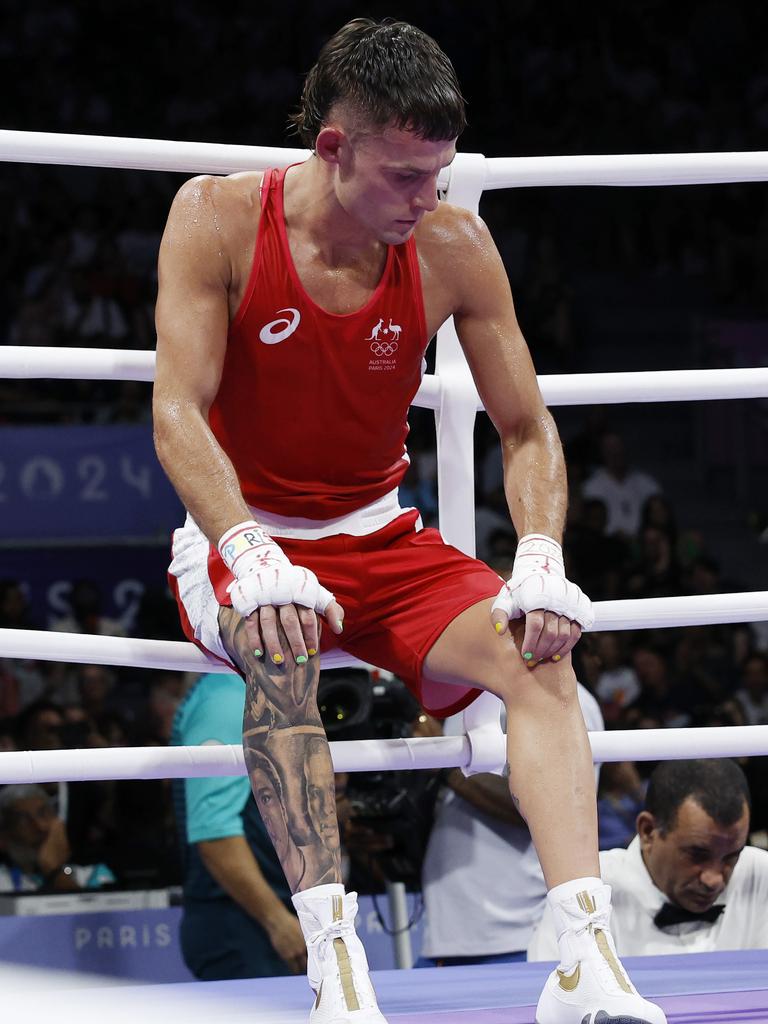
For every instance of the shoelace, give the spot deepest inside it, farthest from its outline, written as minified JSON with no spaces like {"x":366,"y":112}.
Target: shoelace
{"x":322,"y":944}
{"x":600,"y":921}
{"x":335,"y":930}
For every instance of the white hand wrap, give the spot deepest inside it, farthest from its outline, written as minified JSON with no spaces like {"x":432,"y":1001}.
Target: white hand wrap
{"x":538,"y":583}
{"x":263,"y":574}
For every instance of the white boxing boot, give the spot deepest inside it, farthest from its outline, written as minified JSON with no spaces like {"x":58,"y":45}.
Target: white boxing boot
{"x":590,"y":986}
{"x":337,"y":966}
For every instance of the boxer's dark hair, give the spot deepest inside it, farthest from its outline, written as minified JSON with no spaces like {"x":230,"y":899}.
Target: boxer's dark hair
{"x":391,"y":73}
{"x":718,"y":786}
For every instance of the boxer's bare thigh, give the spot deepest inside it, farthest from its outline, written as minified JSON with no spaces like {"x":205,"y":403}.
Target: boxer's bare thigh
{"x":470,"y":651}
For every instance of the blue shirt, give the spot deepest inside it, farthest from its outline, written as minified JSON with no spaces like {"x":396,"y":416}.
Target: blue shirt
{"x":216,"y":808}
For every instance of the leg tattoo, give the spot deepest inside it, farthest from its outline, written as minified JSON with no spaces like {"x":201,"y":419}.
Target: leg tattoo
{"x":289,"y":764}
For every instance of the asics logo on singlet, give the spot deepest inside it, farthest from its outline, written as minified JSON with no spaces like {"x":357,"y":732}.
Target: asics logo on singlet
{"x":283,"y":327}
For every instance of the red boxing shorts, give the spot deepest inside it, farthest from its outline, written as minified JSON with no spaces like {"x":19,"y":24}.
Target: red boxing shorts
{"x":399,"y":587}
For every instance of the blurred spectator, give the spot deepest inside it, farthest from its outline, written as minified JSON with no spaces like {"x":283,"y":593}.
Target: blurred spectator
{"x":15,"y":612}
{"x":620,"y":798}
{"x":617,"y":685}
{"x":752,"y":694}
{"x":7,"y":741}
{"x":598,"y":561}
{"x":702,"y":668}
{"x":80,"y":730}
{"x":688,"y":883}
{"x":419,"y":489}
{"x":86,"y":615}
{"x":95,"y":684}
{"x":703,"y":577}
{"x":491,"y":518}
{"x":83,"y":806}
{"x":39,"y":726}
{"x":238,"y":920}
{"x":21,"y":680}
{"x":623,"y":488}
{"x":549,"y":299}
{"x":655,"y":571}
{"x":659,"y":698}
{"x":36,"y":848}
{"x":658,"y":512}
{"x":478,"y":834}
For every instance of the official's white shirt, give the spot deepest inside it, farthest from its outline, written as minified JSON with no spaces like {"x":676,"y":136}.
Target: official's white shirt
{"x":636,"y":901}
{"x":483,"y":886}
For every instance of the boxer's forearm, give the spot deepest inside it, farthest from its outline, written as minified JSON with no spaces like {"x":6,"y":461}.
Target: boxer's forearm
{"x":535,"y":480}
{"x":199,"y":469}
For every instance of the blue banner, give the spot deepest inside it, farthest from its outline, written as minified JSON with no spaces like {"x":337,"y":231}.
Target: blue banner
{"x":83,"y":483}
{"x":144,"y":944}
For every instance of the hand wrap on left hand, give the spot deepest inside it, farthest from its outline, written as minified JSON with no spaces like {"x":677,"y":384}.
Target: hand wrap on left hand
{"x":538,"y":583}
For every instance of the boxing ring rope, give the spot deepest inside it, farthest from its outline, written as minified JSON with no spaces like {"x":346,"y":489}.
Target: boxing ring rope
{"x":370,"y":755}
{"x":627,"y":169}
{"x":451,"y":393}
{"x":180,"y":656}
{"x":20,"y":362}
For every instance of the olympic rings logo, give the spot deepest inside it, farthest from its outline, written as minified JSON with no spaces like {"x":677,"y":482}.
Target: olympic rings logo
{"x":384,"y":348}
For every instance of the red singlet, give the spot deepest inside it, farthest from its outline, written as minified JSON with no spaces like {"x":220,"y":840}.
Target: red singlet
{"x":312,"y":407}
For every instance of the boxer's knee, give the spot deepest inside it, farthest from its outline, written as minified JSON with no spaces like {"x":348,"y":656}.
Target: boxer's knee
{"x":520,"y":683}
{"x":287,"y":690}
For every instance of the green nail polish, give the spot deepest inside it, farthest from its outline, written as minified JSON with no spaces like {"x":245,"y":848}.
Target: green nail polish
{"x":257,"y":652}
{"x":301,"y":660}
{"x":528,"y":655}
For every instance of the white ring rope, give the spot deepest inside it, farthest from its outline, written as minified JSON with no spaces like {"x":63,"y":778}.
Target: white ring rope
{"x":22,"y":362}
{"x":370,"y":755}
{"x":89,"y":649}
{"x":501,"y":172}
{"x":644,"y":613}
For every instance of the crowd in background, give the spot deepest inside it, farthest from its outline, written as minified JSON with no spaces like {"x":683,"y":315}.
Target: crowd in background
{"x":78,"y":269}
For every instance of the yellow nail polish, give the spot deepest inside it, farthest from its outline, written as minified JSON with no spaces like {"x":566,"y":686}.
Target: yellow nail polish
{"x":556,"y":657}
{"x":277,"y":658}
{"x":498,"y":627}
{"x":311,"y":651}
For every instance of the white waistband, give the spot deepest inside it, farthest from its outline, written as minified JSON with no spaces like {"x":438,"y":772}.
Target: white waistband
{"x":365,"y":520}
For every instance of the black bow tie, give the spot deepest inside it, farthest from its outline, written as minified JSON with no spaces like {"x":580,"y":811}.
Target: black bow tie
{"x":671,"y":914}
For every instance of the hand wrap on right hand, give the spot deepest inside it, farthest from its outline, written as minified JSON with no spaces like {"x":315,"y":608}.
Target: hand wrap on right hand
{"x":263,"y":574}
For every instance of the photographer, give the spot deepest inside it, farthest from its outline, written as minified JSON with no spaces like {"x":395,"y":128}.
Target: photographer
{"x":385,"y":817}
{"x":84,"y":807}
{"x":35,"y":847}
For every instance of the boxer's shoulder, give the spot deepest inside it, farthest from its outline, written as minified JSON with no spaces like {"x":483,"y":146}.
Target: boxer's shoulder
{"x":215,"y":215}
{"x":227,"y":204}
{"x":450,"y":233}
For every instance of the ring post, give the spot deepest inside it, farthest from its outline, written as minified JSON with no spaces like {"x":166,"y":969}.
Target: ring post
{"x":455,"y":420}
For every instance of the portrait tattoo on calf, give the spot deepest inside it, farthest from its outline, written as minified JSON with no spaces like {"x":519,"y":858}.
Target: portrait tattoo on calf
{"x":288,"y":760}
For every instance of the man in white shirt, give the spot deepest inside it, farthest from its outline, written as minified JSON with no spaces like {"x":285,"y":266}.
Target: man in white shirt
{"x":687,"y":883}
{"x":623,"y":489}
{"x":479,"y":834}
